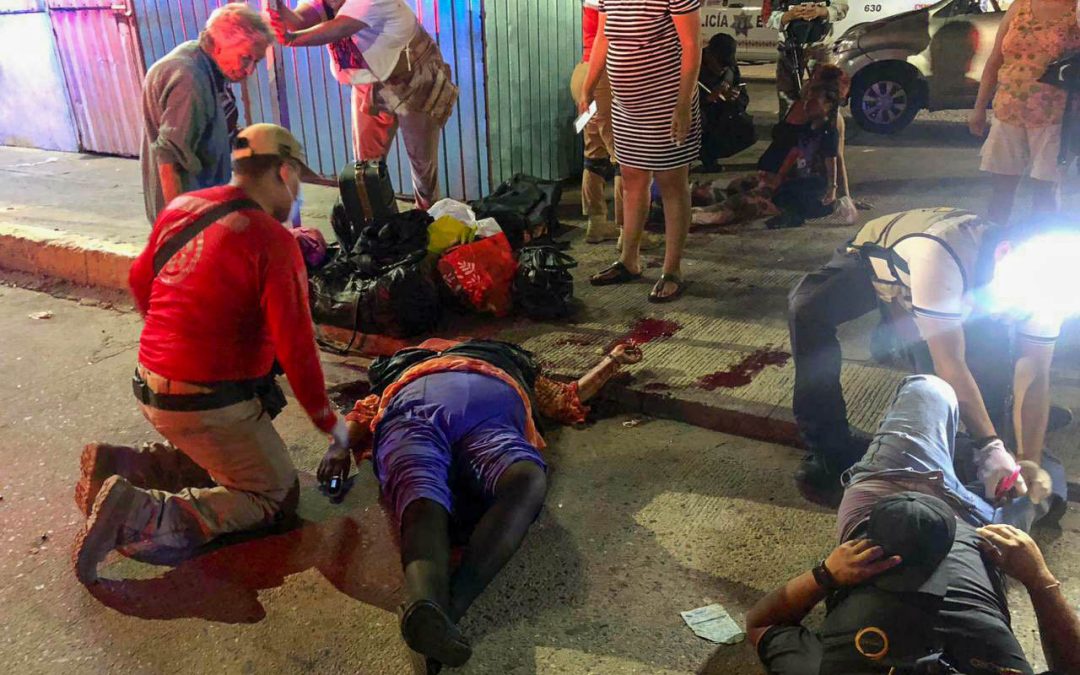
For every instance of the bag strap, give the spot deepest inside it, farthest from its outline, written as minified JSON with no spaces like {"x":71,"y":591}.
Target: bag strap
{"x":182,"y":238}
{"x":361,"y":190}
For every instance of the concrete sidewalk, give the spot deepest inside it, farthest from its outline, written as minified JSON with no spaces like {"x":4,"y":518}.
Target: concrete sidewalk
{"x":718,"y":358}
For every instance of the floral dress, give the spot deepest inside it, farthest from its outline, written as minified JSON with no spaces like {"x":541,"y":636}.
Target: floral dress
{"x":1029,"y":46}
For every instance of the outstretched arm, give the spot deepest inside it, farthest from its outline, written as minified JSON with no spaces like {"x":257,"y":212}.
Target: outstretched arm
{"x":593,"y":381}
{"x":849,"y":564}
{"x":328,"y":32}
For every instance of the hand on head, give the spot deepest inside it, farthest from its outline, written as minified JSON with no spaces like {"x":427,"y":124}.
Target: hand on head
{"x":858,"y":560}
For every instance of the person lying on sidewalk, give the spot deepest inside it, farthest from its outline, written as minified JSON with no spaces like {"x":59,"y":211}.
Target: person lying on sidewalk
{"x":223,"y":292}
{"x":803,"y":186}
{"x":452,"y":429}
{"x":916,"y":585}
{"x":975,"y":304}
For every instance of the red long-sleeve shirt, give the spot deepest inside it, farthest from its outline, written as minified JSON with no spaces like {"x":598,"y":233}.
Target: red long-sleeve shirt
{"x":590,"y":26}
{"x":229,"y":302}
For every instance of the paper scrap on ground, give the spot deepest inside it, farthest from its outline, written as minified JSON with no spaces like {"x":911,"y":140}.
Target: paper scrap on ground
{"x":714,"y":624}
{"x":41,"y":315}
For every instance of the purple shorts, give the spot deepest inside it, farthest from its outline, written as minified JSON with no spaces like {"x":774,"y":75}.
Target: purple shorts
{"x":447,"y":434}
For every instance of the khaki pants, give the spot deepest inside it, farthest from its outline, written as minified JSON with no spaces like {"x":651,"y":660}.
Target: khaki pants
{"x":231,"y":473}
{"x":599,"y":144}
{"x":418,"y":102}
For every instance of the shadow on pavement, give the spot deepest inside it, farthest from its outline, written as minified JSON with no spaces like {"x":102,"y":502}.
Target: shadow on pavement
{"x":356,"y":554}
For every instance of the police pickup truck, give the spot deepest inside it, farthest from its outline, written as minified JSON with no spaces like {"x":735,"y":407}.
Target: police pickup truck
{"x":743,"y":20}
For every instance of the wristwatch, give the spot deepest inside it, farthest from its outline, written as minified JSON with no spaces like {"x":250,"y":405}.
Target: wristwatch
{"x":824,"y":577}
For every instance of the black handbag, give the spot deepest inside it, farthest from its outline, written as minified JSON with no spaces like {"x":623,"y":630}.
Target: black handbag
{"x":1064,"y":73}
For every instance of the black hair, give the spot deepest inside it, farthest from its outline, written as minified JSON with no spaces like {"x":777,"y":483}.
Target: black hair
{"x":256,"y":166}
{"x":724,"y":47}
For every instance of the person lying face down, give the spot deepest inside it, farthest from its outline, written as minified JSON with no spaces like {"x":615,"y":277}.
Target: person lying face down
{"x":451,"y":428}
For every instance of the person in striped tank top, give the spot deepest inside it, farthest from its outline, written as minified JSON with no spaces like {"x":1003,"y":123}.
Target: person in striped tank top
{"x":652,"y":53}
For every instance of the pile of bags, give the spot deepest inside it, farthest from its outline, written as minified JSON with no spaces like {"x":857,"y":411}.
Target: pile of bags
{"x":393,"y":273}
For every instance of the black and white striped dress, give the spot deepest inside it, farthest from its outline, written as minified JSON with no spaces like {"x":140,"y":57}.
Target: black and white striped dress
{"x":643,"y":62}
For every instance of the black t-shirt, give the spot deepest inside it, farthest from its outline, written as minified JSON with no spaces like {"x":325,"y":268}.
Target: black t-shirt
{"x":973,"y":623}
{"x":813,"y":147}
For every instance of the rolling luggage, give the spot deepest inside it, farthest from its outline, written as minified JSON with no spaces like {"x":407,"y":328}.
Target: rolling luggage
{"x":366,"y":195}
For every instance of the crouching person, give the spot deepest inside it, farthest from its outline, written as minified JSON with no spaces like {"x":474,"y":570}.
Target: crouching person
{"x":452,"y":429}
{"x":223,"y":291}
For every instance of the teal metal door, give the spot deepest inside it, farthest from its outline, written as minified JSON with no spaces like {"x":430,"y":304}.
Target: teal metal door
{"x":531,"y":48}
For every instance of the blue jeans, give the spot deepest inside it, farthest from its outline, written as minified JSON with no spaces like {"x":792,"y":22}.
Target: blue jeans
{"x":915,"y":445}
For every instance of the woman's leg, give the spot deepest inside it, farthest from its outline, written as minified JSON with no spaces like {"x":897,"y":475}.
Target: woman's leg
{"x":1044,"y":196}
{"x":1002,"y":196}
{"x":675,"y":191}
{"x":635,"y":186}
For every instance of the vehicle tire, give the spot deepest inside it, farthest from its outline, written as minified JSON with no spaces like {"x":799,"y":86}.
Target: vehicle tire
{"x":885,"y":100}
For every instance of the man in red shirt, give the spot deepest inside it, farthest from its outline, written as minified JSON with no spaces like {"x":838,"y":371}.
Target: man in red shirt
{"x":223,"y":291}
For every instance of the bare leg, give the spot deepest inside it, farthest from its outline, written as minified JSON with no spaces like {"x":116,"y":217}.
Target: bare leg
{"x":675,"y":191}
{"x":635,"y":185}
{"x":519,"y":495}
{"x":1002,"y":197}
{"x":425,"y":552}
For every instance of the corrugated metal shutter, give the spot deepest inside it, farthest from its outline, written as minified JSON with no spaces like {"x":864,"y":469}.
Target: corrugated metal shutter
{"x":100,"y":56}
{"x":532,"y":47}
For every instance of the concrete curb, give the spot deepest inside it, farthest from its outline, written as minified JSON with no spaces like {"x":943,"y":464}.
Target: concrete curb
{"x":65,"y":255}
{"x":90,"y":262}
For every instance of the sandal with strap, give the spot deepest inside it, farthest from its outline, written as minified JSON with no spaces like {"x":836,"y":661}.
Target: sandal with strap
{"x":680,"y":286}
{"x":615,"y":273}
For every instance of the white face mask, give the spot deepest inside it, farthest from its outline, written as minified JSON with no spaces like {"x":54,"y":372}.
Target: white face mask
{"x":298,"y":201}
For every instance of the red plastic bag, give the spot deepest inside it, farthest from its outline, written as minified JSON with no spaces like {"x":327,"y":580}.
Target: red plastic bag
{"x":481,"y":273}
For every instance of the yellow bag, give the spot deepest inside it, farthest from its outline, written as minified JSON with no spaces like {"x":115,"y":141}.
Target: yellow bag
{"x":448,"y":231}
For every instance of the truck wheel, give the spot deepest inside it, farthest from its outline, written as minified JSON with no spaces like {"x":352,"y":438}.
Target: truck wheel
{"x":884,"y":100}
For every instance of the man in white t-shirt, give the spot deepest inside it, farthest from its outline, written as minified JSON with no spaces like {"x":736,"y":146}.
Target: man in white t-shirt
{"x":948,"y":276}
{"x":398,"y":77}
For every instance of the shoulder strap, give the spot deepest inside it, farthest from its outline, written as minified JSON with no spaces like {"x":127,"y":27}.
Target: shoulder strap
{"x":181,"y":239}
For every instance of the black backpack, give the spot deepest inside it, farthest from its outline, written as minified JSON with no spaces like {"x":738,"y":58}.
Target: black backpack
{"x":524,"y":206}
{"x":543,"y":287}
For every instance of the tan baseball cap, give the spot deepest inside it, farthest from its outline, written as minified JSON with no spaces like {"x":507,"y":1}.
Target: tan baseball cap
{"x":274,"y":140}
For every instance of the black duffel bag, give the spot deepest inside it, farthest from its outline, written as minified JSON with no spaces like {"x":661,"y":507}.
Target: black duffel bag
{"x":543,"y":286}
{"x":402,"y":301}
{"x":385,"y":242}
{"x":524,"y":206}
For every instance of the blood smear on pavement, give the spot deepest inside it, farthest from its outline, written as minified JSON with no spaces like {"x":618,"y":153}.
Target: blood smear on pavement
{"x":743,"y":372}
{"x":647,"y":330}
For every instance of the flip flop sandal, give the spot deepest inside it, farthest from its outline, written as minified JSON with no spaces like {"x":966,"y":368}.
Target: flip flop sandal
{"x":680,"y":286}
{"x":615,"y":273}
{"x":429,"y":631}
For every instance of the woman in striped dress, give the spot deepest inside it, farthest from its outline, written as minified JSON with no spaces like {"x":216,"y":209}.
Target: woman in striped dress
{"x":652,"y":52}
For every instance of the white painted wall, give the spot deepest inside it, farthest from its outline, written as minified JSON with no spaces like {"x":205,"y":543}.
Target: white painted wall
{"x":34,"y":108}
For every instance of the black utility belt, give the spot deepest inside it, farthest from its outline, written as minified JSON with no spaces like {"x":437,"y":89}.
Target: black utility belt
{"x":223,"y":395}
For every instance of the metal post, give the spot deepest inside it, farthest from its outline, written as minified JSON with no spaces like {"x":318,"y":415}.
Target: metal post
{"x":276,"y":65}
